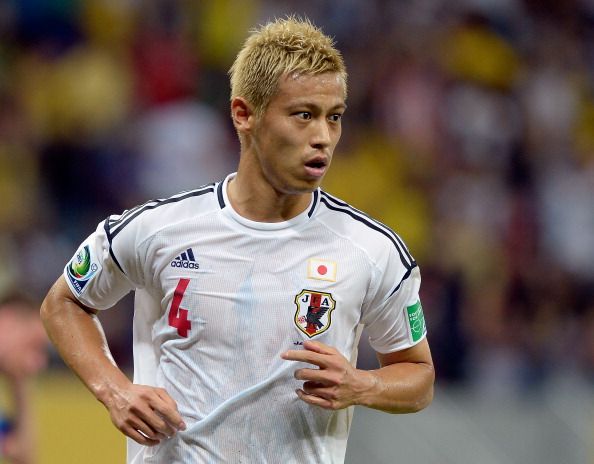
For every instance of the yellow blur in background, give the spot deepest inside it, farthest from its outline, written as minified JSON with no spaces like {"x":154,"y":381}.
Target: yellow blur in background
{"x":72,"y":427}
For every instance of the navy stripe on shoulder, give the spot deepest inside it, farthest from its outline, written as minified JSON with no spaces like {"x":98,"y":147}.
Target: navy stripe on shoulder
{"x":115,"y":260}
{"x":340,"y":206}
{"x":126,"y":214}
{"x":314,"y":203}
{"x":114,"y":222}
{"x":115,"y":228}
{"x":220,"y":196}
{"x":381,"y":224}
{"x":406,"y":276}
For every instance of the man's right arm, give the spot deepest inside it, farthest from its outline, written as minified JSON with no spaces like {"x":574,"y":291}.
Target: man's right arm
{"x":145,"y":414}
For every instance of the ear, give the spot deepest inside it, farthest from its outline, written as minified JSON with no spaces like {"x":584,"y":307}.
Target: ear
{"x":242,"y":115}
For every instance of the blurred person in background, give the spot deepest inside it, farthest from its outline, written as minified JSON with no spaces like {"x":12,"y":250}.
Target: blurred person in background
{"x":223,"y":277}
{"x":23,"y":353}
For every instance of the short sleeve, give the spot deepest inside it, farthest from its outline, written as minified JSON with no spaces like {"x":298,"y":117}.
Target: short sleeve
{"x":96,"y":276}
{"x":394,"y":317}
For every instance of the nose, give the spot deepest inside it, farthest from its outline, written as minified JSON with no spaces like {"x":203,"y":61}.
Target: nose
{"x":321,"y":137}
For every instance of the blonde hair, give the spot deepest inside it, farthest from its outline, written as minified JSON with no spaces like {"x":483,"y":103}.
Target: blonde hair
{"x":284,"y":46}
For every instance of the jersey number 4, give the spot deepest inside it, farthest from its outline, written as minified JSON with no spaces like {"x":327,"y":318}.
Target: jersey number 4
{"x":178,"y":317}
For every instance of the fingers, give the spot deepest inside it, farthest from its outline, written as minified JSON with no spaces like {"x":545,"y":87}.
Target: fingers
{"x":146,"y":430}
{"x":138,"y":437}
{"x":318,"y":389}
{"x":313,"y":352}
{"x":330,"y":386}
{"x":154,"y":422}
{"x":314,"y":375}
{"x":146,"y":414}
{"x":315,"y":400}
{"x":306,"y":356}
{"x":159,"y":413}
{"x":312,"y":348}
{"x":332,"y":366}
{"x":137,"y":428}
{"x":319,"y":347}
{"x":169,"y":410}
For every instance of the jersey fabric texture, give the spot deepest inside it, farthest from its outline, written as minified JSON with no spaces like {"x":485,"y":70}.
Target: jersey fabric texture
{"x":218,"y":298}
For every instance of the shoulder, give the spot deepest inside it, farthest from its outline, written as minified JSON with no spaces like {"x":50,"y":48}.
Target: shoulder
{"x":368,"y":233}
{"x":156,"y":214}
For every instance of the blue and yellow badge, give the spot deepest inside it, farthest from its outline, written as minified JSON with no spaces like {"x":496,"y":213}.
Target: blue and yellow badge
{"x":81,"y":268}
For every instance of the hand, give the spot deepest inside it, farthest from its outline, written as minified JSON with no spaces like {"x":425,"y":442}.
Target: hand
{"x":336,"y":384}
{"x":145,"y":414}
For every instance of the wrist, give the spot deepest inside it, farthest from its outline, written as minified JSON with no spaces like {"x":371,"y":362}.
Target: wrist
{"x":368,"y":388}
{"x":108,"y":389}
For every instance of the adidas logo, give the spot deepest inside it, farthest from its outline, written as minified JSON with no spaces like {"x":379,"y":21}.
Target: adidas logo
{"x":186,"y":260}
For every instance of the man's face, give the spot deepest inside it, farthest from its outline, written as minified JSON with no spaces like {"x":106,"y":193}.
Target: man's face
{"x":23,"y":342}
{"x":295,"y":137}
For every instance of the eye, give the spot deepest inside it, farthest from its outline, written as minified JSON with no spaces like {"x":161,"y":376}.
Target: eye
{"x":306,"y":115}
{"x":336,"y":117}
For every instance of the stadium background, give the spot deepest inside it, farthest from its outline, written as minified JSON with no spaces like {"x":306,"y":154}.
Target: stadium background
{"x":470,"y":131}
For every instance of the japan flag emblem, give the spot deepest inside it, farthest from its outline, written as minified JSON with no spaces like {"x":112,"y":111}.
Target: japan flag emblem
{"x":321,"y":269}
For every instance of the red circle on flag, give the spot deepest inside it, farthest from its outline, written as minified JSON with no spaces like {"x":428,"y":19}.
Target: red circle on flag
{"x":322,"y":270}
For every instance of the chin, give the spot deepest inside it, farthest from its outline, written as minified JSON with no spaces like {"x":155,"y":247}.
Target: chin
{"x":305,"y":187}
{"x":297,"y":185}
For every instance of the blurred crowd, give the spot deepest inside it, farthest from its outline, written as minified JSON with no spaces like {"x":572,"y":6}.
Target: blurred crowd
{"x":470,"y":131}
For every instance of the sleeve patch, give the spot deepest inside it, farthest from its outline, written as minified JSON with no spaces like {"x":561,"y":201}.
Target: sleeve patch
{"x":416,"y":321}
{"x":82,"y":268}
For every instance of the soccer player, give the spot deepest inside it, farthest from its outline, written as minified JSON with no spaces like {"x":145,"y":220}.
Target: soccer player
{"x":23,"y":353}
{"x":250,"y":292}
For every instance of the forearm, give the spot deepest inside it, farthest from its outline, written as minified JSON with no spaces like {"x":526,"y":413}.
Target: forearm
{"x":397,"y":388}
{"x":403,"y":384}
{"x":80,"y":340}
{"x":144,"y":413}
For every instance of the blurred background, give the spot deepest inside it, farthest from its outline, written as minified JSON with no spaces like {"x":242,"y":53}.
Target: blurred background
{"x":470,"y":131}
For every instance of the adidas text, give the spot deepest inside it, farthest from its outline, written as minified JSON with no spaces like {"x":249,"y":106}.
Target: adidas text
{"x":185,"y":264}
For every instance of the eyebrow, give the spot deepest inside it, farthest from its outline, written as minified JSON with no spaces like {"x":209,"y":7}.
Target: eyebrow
{"x":338,"y":106}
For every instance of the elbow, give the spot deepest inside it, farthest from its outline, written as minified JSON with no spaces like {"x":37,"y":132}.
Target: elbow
{"x":426,"y":398}
{"x":50,"y":306}
{"x":416,"y":405}
{"x":45,"y":311}
{"x":425,"y":392}
{"x":423,"y":401}
{"x":56,"y":303}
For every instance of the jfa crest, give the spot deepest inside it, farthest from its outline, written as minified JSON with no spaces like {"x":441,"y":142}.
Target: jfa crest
{"x":314,"y":312}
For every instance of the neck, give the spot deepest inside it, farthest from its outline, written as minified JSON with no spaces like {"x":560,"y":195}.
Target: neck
{"x":261,"y":202}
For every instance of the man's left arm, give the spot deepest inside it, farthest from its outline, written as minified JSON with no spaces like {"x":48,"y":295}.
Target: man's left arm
{"x":402,"y":384}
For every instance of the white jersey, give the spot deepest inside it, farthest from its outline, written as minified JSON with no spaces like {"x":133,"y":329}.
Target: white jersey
{"x":220,"y":297}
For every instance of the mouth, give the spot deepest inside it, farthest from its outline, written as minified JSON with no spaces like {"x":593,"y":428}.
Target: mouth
{"x":316,"y":167}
